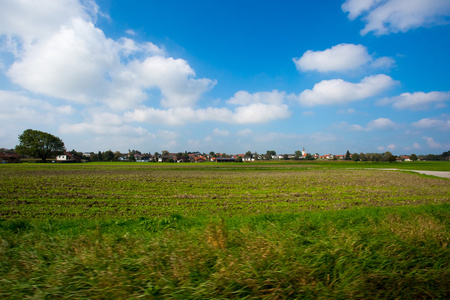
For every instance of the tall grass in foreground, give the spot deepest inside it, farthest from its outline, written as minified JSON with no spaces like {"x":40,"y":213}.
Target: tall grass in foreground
{"x":367,"y":253}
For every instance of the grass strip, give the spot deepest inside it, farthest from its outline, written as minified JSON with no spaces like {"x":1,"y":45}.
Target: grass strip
{"x":359,"y":253}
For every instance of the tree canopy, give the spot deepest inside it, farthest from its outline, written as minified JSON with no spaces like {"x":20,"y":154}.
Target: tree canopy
{"x":39,"y":144}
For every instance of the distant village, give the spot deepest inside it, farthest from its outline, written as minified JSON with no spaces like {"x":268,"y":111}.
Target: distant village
{"x":9,"y":156}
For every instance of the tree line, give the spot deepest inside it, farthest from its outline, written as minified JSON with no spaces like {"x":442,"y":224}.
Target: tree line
{"x":44,"y":145}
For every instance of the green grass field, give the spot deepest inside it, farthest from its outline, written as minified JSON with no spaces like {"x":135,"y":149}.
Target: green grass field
{"x":337,"y":230}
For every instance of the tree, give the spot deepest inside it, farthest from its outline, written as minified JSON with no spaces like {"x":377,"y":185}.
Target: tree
{"x":108,"y":155}
{"x":347,"y":155}
{"x":131,"y":157}
{"x":377,"y":157}
{"x":39,"y":144}
{"x":355,"y":157}
{"x":77,"y":154}
{"x":239,"y":159}
{"x":413,"y":157}
{"x":386,"y":156}
{"x":389,"y":157}
{"x":269,"y":154}
{"x":309,"y":156}
{"x":362,"y":157}
{"x":117,"y":155}
{"x":298,"y":154}
{"x":249,"y":154}
{"x":392,"y":158}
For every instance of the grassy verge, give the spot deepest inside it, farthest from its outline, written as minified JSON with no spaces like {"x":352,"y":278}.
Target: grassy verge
{"x":364,"y":253}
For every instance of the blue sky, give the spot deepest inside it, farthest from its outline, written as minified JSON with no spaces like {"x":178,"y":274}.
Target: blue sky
{"x":228,"y":76}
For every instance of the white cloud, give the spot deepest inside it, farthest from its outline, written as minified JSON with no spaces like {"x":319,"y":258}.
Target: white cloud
{"x":378,"y":124}
{"x":357,"y":7}
{"x":386,"y":16}
{"x":174,"y":77}
{"x":432,"y":143}
{"x":383,"y":63}
{"x":128,"y":47}
{"x":32,"y":20}
{"x":342,"y":57}
{"x":338,"y":91}
{"x":71,"y":64}
{"x":381,"y":124}
{"x":19,"y":112}
{"x":253,"y":113}
{"x":245,"y":98}
{"x":441,"y":124}
{"x":418,"y":100}
{"x":260,"y":107}
{"x":349,"y":111}
{"x":103,"y":129}
{"x":18,"y":109}
{"x":244,"y":132}
{"x":355,"y":127}
{"x":220,"y":132}
{"x":260,"y":113}
{"x":75,"y":61}
{"x":391,"y":147}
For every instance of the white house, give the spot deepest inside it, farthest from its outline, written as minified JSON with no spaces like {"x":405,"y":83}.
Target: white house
{"x":67,"y":157}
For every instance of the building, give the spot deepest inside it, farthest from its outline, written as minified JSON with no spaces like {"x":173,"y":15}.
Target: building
{"x":67,"y":157}
{"x":9,"y":158}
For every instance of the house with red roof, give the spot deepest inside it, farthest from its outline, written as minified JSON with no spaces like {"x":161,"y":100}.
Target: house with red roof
{"x":9,"y":158}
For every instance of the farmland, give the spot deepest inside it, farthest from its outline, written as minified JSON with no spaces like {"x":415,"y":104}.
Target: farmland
{"x":263,"y":230}
{"x":131,"y":190}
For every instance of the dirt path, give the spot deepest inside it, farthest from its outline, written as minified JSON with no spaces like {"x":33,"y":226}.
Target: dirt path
{"x":434,"y":173}
{"x":442,"y":174}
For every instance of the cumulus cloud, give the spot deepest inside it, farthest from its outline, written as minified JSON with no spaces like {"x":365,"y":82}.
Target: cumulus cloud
{"x":220,"y":132}
{"x":253,"y":113}
{"x":245,"y":98}
{"x":19,"y":112}
{"x":386,"y":16}
{"x":338,"y":91}
{"x":432,"y":143}
{"x":71,"y":64}
{"x":174,"y":77}
{"x":342,"y":57}
{"x":31,"y":20}
{"x":390,"y":147}
{"x":69,"y":58}
{"x":381,"y":124}
{"x":18,"y":108}
{"x":261,"y":107}
{"x":441,"y":124}
{"x":418,"y":100}
{"x":377,"y":124}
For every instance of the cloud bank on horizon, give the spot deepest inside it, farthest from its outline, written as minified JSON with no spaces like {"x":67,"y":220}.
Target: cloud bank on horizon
{"x":65,"y":70}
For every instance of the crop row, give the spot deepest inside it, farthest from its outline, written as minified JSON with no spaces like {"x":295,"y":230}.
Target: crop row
{"x":43,"y":192}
